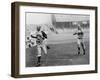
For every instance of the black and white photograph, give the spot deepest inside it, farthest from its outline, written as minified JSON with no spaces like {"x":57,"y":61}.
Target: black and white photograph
{"x":52,"y":39}
{"x":56,"y":39}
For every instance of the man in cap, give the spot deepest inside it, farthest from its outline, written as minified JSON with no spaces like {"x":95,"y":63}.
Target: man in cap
{"x":40,"y":44}
{"x":80,"y":36}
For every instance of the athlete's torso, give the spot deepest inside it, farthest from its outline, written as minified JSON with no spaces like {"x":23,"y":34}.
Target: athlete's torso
{"x":79,"y":34}
{"x":39,"y":39}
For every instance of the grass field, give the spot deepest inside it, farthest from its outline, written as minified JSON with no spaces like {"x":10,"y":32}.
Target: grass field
{"x":58,"y":54}
{"x":63,"y":50}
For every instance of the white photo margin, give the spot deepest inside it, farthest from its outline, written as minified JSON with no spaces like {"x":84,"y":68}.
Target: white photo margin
{"x":53,"y":69}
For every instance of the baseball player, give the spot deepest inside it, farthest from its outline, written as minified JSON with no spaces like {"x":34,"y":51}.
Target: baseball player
{"x":80,"y":35}
{"x":40,"y":44}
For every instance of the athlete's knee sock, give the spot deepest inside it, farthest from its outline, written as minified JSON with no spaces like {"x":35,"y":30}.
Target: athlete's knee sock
{"x":83,"y":48}
{"x":48,"y":47}
{"x":78,"y":50}
{"x":39,"y":59}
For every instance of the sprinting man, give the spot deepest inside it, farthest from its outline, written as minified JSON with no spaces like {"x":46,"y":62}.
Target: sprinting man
{"x":40,"y":44}
{"x":80,"y":35}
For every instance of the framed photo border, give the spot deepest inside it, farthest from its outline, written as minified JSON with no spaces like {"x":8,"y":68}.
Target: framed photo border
{"x":15,"y":69}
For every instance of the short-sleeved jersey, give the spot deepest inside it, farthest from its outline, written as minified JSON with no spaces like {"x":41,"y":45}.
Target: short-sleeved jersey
{"x":39,"y":38}
{"x":79,"y":34}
